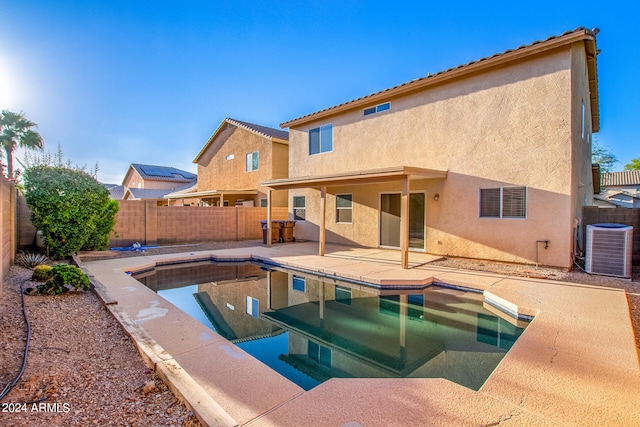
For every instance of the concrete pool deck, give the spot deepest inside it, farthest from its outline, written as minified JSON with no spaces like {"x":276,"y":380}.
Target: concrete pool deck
{"x":575,"y":364}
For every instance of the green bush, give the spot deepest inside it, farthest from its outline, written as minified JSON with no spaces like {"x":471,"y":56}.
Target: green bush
{"x":72,"y":209}
{"x":63,"y":275}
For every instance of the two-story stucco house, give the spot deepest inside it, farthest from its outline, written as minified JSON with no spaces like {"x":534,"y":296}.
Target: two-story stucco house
{"x":234,"y":161}
{"x":488,"y":160}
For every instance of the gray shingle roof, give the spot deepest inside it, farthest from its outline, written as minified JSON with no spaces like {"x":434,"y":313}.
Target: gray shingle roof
{"x":264,"y":130}
{"x":116,"y":191}
{"x":148,"y":193}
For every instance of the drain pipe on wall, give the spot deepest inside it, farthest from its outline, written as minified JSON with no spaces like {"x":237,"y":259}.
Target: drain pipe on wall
{"x":546,"y":246}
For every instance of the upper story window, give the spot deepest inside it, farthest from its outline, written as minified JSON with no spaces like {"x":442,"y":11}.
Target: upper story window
{"x":229,"y":157}
{"x":377,"y":108}
{"x":321,"y":139}
{"x":252,"y":306}
{"x":252,"y":161}
{"x":503,"y":202}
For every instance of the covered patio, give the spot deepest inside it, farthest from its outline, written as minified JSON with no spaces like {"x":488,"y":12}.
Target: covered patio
{"x":211,"y":197}
{"x":402,"y":174}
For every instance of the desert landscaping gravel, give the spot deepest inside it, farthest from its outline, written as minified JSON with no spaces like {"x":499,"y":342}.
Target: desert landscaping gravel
{"x":82,"y":369}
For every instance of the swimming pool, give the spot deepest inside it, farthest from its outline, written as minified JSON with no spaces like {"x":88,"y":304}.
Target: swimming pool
{"x":311,"y":328}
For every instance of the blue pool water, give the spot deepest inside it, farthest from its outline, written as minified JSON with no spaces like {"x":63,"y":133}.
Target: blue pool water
{"x":310,"y":328}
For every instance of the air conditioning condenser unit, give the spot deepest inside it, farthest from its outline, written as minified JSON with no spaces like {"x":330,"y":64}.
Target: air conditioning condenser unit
{"x":608,"y":250}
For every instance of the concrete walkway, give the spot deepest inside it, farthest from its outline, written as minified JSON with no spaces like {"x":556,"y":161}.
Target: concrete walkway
{"x":575,"y":364}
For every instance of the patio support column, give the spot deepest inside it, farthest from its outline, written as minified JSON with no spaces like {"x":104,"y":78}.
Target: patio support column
{"x":404,"y":223}
{"x":404,"y":311}
{"x":323,"y":221}
{"x":269,"y":217}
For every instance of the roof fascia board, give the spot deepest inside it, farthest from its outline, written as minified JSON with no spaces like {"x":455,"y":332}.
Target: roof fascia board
{"x":356,"y":178}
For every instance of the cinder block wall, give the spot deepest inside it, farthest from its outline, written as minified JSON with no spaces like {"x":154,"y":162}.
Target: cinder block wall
{"x":145,"y":222}
{"x":627,"y":216}
{"x":7,"y":227}
{"x":26,"y":230}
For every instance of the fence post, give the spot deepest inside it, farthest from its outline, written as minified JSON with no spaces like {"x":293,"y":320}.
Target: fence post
{"x":151,"y":222}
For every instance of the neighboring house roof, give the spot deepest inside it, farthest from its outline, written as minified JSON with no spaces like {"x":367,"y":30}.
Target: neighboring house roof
{"x":579,"y":34}
{"x":262,"y":130}
{"x":621,"y":198}
{"x":116,"y":191}
{"x":161,"y":173}
{"x":149,"y":193}
{"x":146,"y":193}
{"x":274,"y":135}
{"x":624,"y":178}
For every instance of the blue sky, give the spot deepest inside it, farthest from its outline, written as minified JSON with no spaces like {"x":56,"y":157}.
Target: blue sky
{"x":123,"y":82}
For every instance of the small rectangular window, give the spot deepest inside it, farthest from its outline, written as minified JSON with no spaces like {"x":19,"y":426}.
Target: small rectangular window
{"x":299,"y":208}
{"x":377,"y":108}
{"x":321,"y":139}
{"x":229,"y":157}
{"x":343,"y":295}
{"x":299,"y":283}
{"x":503,"y":202}
{"x":319,"y":353}
{"x":252,"y":161}
{"x":263,"y":203}
{"x":252,"y":307}
{"x":344,"y":208}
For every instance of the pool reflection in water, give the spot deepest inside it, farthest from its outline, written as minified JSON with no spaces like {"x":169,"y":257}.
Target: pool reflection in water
{"x":309,"y":328}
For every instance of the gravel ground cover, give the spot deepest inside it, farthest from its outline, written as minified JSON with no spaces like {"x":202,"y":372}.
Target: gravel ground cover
{"x":83,"y":369}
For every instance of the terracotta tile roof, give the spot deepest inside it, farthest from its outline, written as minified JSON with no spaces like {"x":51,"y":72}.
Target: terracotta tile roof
{"x":624,"y":178}
{"x":421,"y":82}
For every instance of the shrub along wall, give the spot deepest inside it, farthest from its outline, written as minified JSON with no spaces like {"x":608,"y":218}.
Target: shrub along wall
{"x":627,"y":216}
{"x":144,"y":222}
{"x":7,"y":227}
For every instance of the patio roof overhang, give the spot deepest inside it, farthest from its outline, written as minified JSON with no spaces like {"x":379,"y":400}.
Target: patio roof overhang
{"x":210,"y":193}
{"x":402,"y":174}
{"x":370,"y":176}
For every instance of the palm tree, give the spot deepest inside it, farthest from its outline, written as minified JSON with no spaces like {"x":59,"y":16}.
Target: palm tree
{"x":15,"y":130}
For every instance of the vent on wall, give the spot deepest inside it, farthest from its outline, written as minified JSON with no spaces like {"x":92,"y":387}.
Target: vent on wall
{"x":609,"y":250}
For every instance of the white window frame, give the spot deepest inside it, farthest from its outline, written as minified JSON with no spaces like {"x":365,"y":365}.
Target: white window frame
{"x":338,"y":208}
{"x":501,"y":214}
{"x":377,"y":109}
{"x":249,"y":161}
{"x":252,"y":303}
{"x":321,"y":131}
{"x":298,"y":208}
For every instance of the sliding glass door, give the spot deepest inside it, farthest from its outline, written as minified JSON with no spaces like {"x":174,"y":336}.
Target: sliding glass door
{"x":390,"y":220}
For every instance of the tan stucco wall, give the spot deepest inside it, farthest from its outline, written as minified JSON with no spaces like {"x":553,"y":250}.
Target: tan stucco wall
{"x":512,"y":126}
{"x":215,"y":172}
{"x":582,"y":141}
